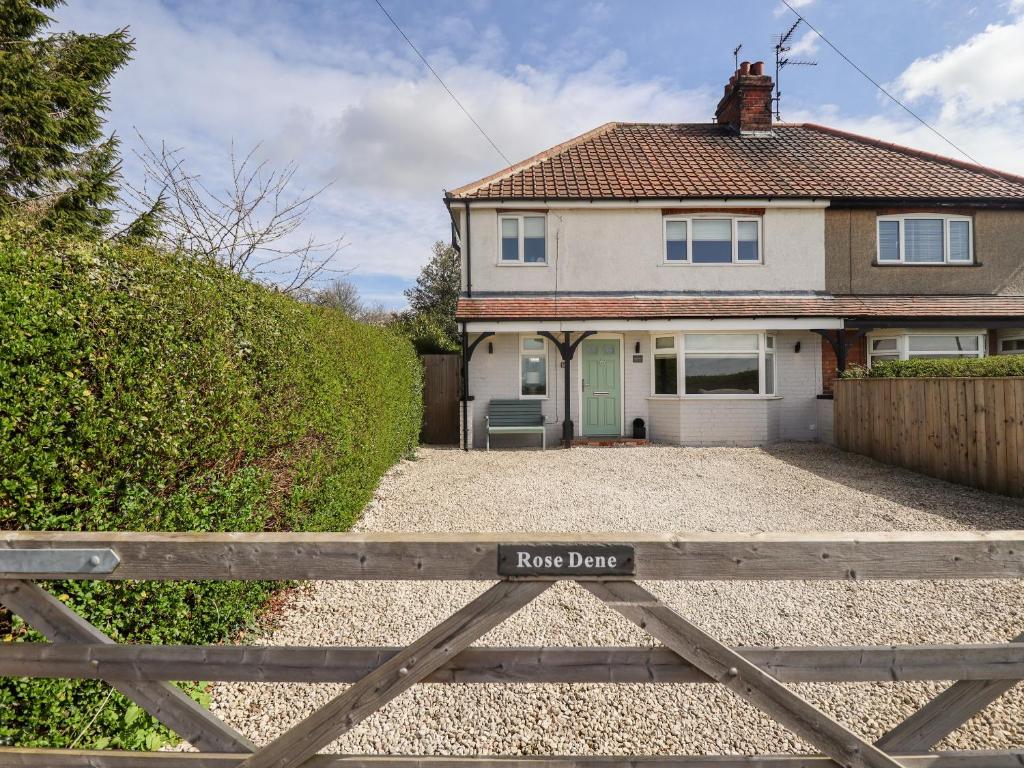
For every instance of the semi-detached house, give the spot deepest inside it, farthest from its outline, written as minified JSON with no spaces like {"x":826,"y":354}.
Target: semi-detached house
{"x":710,"y":279}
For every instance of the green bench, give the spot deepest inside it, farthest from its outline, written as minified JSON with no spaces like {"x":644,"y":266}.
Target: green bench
{"x":505,"y":417}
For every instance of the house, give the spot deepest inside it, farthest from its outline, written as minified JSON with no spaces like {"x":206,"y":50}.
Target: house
{"x":711,"y":279}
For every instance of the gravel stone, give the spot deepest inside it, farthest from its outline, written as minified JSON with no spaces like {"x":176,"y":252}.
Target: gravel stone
{"x":656,"y":489}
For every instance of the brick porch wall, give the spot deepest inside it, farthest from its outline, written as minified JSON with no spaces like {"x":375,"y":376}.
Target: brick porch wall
{"x":856,"y":355}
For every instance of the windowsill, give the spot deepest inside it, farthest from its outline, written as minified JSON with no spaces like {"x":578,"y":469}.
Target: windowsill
{"x":522,"y":264}
{"x":712,"y":264}
{"x":533,"y":397}
{"x":714,"y":397}
{"x":944,"y":264}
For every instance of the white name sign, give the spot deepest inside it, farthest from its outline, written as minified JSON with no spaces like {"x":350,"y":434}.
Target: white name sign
{"x":566,"y":560}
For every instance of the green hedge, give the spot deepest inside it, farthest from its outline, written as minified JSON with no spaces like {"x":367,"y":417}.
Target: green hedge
{"x":1001,"y":365}
{"x":143,"y":391}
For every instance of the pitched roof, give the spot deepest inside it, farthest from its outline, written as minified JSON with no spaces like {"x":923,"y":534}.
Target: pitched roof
{"x":664,"y":160}
{"x":666,"y":307}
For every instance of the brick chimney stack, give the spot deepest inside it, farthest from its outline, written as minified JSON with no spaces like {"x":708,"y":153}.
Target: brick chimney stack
{"x":747,"y":103}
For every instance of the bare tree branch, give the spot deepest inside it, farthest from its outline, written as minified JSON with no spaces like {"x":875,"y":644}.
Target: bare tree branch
{"x":252,"y":224}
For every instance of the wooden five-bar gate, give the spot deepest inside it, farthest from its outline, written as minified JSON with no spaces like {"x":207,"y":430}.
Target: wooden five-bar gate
{"x":523,"y":566}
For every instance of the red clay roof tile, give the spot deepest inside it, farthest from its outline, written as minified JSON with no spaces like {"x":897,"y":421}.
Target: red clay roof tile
{"x":665,"y":307}
{"x":662,"y":160}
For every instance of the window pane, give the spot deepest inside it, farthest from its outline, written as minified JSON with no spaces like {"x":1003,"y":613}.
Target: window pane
{"x":923,"y":240}
{"x":666,"y":375}
{"x":675,"y":230}
{"x":665,"y":342}
{"x":721,"y":342}
{"x":1012,"y":345}
{"x":711,"y":375}
{"x":712,"y":241}
{"x":533,"y":343}
{"x":959,"y":241}
{"x":509,"y":240}
{"x":883,"y":345}
{"x":888,"y":241}
{"x":877,"y":358}
{"x":747,"y":248}
{"x":769,"y":374}
{"x":534,"y":375}
{"x":675,"y":241}
{"x":943,"y":343}
{"x":533,"y":226}
{"x":533,"y":250}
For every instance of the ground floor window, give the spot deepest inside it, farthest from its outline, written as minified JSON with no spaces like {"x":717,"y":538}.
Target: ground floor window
{"x":720,"y":364}
{"x":925,"y":345}
{"x":1012,"y":344}
{"x":533,"y":367}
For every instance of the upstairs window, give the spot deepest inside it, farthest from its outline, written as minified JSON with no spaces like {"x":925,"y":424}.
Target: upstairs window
{"x":925,"y":239}
{"x":708,"y":240}
{"x":523,"y":239}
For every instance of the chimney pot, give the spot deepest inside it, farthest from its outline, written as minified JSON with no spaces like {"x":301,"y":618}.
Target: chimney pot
{"x":746,"y":104}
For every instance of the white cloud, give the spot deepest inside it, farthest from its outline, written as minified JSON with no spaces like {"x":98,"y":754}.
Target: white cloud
{"x":983,"y":74}
{"x":782,"y":10}
{"x":383,"y":131}
{"x":807,"y":45}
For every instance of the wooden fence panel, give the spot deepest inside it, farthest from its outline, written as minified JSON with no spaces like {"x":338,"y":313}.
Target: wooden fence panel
{"x":965,"y":430}
{"x":441,"y":385}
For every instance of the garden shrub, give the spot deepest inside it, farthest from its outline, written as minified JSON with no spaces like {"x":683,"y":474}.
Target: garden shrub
{"x":997,"y":365}
{"x":139,"y":391}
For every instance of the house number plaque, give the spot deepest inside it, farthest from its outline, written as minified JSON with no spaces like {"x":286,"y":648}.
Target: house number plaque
{"x":566,"y":560}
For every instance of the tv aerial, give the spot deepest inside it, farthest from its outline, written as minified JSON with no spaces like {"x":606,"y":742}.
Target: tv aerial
{"x":782,"y":60}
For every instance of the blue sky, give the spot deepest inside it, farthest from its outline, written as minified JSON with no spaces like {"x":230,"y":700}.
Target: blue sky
{"x":332,"y":86}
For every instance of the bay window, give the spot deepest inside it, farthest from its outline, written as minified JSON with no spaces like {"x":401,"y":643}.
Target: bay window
{"x":709,"y":240}
{"x":713,"y":364}
{"x":666,"y":366}
{"x":523,"y":239}
{"x":533,"y":367}
{"x":925,"y":238}
{"x":909,"y":346}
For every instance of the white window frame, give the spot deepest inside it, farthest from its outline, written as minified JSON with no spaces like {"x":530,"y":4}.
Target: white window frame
{"x":902,"y":261}
{"x":673,"y":352}
{"x":519,"y":366}
{"x":680,"y":352}
{"x":689,"y":262}
{"x":1014,"y":336}
{"x":903,"y":342}
{"x":521,"y":228}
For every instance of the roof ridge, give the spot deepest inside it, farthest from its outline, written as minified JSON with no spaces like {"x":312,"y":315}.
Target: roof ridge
{"x":534,"y":160}
{"x":902,"y":148}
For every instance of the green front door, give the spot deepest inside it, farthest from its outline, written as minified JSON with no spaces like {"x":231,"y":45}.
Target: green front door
{"x":602,"y":406}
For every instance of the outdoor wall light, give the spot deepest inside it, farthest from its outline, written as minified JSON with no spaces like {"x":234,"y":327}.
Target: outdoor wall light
{"x":797,"y":347}
{"x":490,"y":348}
{"x":636,"y":349}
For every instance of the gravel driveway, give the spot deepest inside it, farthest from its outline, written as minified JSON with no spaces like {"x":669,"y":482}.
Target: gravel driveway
{"x":787,"y":488}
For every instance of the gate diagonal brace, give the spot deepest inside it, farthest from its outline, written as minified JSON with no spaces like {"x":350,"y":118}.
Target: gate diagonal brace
{"x":745,"y":679}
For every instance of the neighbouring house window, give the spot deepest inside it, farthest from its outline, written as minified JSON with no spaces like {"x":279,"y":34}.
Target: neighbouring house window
{"x":702,"y":240}
{"x":533,"y":367}
{"x":925,"y":239}
{"x":523,"y":239}
{"x":666,"y":366}
{"x":721,"y":364}
{"x":769,"y":365}
{"x":1012,"y":345}
{"x":925,"y":346}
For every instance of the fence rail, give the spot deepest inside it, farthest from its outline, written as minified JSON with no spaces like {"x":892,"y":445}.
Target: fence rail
{"x":78,"y":650}
{"x":966,"y":430}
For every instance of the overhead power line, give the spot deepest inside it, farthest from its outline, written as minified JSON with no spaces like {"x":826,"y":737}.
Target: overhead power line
{"x":878,"y":85}
{"x":442,"y":82}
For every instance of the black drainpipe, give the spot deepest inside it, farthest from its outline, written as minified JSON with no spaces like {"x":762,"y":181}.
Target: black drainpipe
{"x":465,"y":388}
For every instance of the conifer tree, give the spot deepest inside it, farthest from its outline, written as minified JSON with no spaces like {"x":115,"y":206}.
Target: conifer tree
{"x":55,"y":160}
